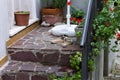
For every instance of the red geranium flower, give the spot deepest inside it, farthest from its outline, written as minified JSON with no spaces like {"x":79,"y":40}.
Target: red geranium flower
{"x":111,"y":9}
{"x":79,"y":20}
{"x":106,"y":1}
{"x":69,"y":3}
{"x":73,"y":19}
{"x":118,"y":36}
{"x":107,"y":23}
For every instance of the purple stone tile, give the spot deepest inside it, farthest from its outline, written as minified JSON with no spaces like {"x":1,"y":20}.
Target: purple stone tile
{"x":30,"y":46}
{"x":20,"y":42}
{"x":11,"y":68}
{"x":51,"y":58}
{"x":10,"y":52}
{"x":39,"y":77}
{"x":28,"y":67}
{"x":47,"y":69}
{"x":31,"y":40}
{"x":22,"y":76}
{"x":13,"y":63}
{"x":64,"y":60}
{"x":66,"y":69}
{"x":24,"y":56}
{"x":53,"y":69}
{"x":52,"y":46}
{"x":72,"y":47}
{"x":39,"y":56}
{"x":43,"y":29}
{"x":34,"y":33}
{"x":16,"y":46}
{"x":42,"y":68}
{"x":8,"y":77}
{"x":27,"y":37}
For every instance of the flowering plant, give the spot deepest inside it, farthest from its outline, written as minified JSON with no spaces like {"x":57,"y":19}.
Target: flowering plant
{"x":75,"y":20}
{"x":106,"y":25}
{"x":118,"y":35}
{"x":77,"y":16}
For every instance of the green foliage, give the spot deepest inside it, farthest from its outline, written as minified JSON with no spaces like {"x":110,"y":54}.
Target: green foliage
{"x":76,"y":76}
{"x":105,"y":25}
{"x":91,"y":66}
{"x":76,"y":60}
{"x":47,"y":2}
{"x":78,"y":33}
{"x":55,"y":3}
{"x":77,"y":16}
{"x":77,"y":13}
{"x":22,"y":12}
{"x":59,"y":3}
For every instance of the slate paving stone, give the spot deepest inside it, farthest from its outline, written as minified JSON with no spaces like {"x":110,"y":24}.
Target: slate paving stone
{"x":22,"y":76}
{"x":29,"y":56}
{"x":12,"y":68}
{"x":39,"y":57}
{"x":8,"y":77}
{"x":51,"y":58}
{"x":39,"y":77}
{"x":28,"y":67}
{"x":29,"y":71}
{"x":38,"y":36}
{"x":64,"y":59}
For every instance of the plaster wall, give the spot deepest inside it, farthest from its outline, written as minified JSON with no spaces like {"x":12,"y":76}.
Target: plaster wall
{"x":81,"y":4}
{"x":4,"y":27}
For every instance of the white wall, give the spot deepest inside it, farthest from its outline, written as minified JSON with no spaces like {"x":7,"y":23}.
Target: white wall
{"x":4,"y":27}
{"x":112,"y":56}
{"x":81,"y":4}
{"x":38,"y":7}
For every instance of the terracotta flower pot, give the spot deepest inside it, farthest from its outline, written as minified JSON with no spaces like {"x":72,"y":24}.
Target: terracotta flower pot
{"x":51,"y":11}
{"x":22,"y":18}
{"x":52,"y":19}
{"x":52,"y":16}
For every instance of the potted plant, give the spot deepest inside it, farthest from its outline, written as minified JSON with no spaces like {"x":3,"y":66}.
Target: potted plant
{"x":53,"y":7}
{"x":77,"y":16}
{"x":105,"y":26}
{"x":53,"y":12}
{"x":22,"y":18}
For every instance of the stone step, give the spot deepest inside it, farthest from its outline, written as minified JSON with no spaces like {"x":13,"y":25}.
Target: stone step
{"x":34,"y":57}
{"x":44,"y":57}
{"x":17,"y":70}
{"x":36,"y":46}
